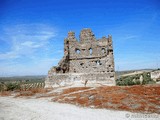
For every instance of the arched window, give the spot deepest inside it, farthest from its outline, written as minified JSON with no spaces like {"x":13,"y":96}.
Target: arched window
{"x":90,"y":51}
{"x":103,"y":50}
{"x":98,"y":62}
{"x":78,"y":51}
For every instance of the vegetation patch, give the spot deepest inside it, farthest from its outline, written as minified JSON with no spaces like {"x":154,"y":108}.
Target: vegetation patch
{"x":135,"y":80}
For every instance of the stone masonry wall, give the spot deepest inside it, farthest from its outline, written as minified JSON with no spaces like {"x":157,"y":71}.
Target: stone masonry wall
{"x":85,"y":62}
{"x":155,"y":75}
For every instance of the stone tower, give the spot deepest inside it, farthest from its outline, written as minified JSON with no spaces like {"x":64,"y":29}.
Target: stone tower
{"x":87,"y":62}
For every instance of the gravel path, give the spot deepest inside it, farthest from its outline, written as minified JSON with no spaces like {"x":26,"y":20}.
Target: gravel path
{"x":42,"y":109}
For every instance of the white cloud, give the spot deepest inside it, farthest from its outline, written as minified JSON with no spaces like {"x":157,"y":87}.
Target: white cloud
{"x":129,"y":37}
{"x":31,"y":44}
{"x":26,"y":39}
{"x":8,"y":55}
{"x":28,"y":53}
{"x":28,"y":43}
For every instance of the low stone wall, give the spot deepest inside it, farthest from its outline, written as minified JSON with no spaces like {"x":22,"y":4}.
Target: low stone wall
{"x":79,"y":79}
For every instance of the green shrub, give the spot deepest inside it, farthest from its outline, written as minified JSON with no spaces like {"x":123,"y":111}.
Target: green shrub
{"x":134,"y":80}
{"x":12,"y":86}
{"x":127,"y":81}
{"x":2,"y":87}
{"x":147,"y":78}
{"x":137,"y":82}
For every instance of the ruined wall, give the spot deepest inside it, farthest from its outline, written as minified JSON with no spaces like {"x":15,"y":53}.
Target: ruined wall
{"x":85,"y":61}
{"x":155,"y":75}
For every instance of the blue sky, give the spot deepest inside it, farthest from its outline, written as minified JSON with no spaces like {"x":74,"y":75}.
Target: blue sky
{"x":32,"y":32}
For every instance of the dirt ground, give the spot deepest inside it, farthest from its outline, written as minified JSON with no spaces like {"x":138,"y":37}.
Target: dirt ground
{"x":135,"y":98}
{"x":43,"y":109}
{"x":96,"y":103}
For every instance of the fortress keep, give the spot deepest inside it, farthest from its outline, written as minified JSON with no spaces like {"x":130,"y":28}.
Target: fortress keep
{"x":87,"y":62}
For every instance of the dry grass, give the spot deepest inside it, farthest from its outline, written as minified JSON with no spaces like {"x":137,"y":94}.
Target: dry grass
{"x":69,"y":90}
{"x":39,"y":90}
{"x":32,"y":92}
{"x":5,"y":93}
{"x":134,"y":98}
{"x":29,"y":92}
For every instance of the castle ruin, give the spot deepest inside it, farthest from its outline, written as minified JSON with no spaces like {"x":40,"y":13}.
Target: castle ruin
{"x":87,"y":62}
